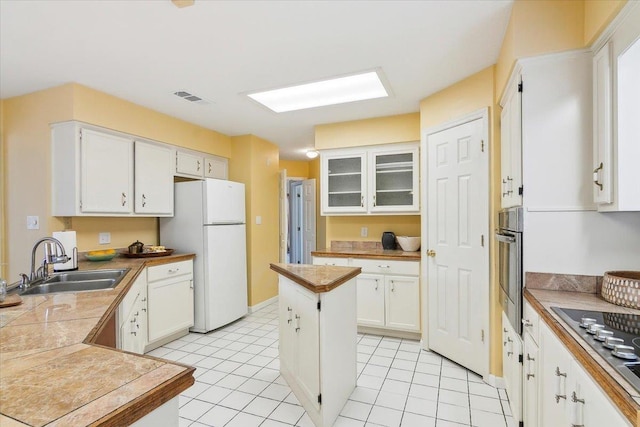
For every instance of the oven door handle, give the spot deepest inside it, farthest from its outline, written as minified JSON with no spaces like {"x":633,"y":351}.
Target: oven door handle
{"x":505,"y":238}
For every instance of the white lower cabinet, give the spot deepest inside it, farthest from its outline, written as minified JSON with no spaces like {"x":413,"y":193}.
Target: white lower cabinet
{"x":170,"y":293}
{"x":371,"y":296}
{"x":402,"y":309}
{"x":568,"y":395}
{"x":318,"y":347}
{"x":388,"y":292}
{"x":512,"y":367}
{"x":530,"y":365}
{"x":132,"y":312}
{"x":158,"y":307}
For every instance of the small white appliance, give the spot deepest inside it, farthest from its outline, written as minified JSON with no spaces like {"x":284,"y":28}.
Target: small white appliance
{"x":209,"y":220}
{"x":68,"y":241}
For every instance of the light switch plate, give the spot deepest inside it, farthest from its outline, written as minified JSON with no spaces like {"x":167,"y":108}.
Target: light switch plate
{"x":258,"y":220}
{"x":104,"y":238}
{"x":33,"y":222}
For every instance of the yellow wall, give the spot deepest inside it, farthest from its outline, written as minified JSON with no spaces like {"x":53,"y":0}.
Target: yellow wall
{"x":27,"y":160}
{"x":379,"y":130}
{"x":254,"y":161}
{"x":295,"y":168}
{"x":348,"y":228}
{"x":538,"y":27}
{"x":597,"y":15}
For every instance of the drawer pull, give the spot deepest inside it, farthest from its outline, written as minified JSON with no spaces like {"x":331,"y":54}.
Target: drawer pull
{"x":173,"y":270}
{"x":383,"y":266}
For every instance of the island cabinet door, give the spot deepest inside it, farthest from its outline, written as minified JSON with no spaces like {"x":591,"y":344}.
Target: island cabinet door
{"x":307,"y":329}
{"x":300,"y":337}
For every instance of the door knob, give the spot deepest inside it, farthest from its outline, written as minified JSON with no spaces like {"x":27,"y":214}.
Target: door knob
{"x":431,"y":253}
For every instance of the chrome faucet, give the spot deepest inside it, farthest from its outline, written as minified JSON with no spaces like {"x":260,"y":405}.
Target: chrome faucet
{"x":50,"y":257}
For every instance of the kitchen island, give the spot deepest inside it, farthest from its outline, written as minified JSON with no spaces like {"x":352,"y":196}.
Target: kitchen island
{"x":52,"y":372}
{"x":318,"y":335}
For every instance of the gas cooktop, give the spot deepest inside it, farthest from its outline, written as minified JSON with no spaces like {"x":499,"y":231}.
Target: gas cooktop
{"x":614,"y":336}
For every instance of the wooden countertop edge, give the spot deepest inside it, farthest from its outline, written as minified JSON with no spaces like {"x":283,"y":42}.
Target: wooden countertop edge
{"x":389,"y":257}
{"x":158,"y":396}
{"x":617,"y":394}
{"x":151,"y":400}
{"x":315,"y":288}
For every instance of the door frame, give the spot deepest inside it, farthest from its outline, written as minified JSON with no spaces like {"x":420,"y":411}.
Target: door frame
{"x":482,"y":114}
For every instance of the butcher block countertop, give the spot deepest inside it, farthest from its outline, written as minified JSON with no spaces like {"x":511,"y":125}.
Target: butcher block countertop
{"x":397,"y":255}
{"x":625,"y":397}
{"x":317,"y":278}
{"x":52,"y":373}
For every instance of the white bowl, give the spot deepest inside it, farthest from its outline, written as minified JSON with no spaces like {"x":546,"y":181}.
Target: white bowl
{"x":409,"y":244}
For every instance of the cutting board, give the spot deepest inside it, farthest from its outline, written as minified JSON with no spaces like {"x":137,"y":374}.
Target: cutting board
{"x":11,"y":300}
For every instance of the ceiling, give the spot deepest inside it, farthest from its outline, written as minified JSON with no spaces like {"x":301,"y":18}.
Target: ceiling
{"x":144,"y":51}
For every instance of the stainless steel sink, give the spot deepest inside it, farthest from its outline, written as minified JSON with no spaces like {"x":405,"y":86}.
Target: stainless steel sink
{"x":76,"y":281}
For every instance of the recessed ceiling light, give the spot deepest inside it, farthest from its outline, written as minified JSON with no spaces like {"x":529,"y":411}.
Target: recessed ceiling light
{"x":339,"y":90}
{"x":312,"y":154}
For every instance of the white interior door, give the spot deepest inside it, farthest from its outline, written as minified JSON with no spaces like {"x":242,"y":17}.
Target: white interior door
{"x":457,"y":220}
{"x":284,"y":216}
{"x":308,"y":219}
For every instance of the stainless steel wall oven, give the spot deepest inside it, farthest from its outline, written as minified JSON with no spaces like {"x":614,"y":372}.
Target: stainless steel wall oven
{"x":509,"y":237}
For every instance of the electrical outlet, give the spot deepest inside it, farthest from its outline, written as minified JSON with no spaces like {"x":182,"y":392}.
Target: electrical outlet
{"x":258,"y":220}
{"x":33,"y":222}
{"x":364,"y":232}
{"x":104,"y":238}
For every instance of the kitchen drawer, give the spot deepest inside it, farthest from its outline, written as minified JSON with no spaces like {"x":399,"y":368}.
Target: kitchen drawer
{"x":340,"y":262}
{"x":383,"y":266}
{"x":138,"y":287}
{"x":530,"y":322}
{"x":174,"y":269}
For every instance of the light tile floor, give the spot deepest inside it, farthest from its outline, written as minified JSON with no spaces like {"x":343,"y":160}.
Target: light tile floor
{"x":238,"y":384}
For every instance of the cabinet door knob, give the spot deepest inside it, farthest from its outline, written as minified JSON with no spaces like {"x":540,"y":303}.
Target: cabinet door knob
{"x":431,"y":253}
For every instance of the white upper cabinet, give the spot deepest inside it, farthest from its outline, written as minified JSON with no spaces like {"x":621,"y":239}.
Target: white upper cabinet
{"x":370,"y":180}
{"x":394,"y":179}
{"x":546,"y":134}
{"x":96,"y":172}
{"x":511,"y":146}
{"x":92,"y":172}
{"x":344,"y":182}
{"x":616,"y":108}
{"x":153,"y":179}
{"x":106,"y":173}
{"x":216,"y":167}
{"x":188,"y":164}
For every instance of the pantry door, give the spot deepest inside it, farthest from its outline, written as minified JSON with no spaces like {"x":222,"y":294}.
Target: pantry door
{"x":456,"y":256}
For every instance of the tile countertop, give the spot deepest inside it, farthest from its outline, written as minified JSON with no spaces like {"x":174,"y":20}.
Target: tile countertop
{"x":626,"y":398}
{"x":368,"y":253}
{"x":317,"y":278}
{"x":51,"y":373}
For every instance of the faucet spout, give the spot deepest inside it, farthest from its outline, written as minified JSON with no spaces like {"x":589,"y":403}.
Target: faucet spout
{"x":50,"y":256}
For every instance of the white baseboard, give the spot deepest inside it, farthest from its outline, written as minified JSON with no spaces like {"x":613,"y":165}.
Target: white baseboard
{"x":389,"y":332}
{"x":492,"y":380}
{"x":263,"y":304}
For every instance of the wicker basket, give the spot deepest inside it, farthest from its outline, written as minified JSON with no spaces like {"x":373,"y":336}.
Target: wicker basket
{"x":622,"y":288}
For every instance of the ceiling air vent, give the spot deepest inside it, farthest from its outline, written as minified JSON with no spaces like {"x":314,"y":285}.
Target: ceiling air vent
{"x":187,"y":96}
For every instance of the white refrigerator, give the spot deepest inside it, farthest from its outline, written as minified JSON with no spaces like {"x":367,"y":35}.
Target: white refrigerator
{"x":209,"y":220}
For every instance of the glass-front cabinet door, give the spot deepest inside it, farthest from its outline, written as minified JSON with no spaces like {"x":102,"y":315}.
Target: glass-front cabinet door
{"x":394,"y":177}
{"x":344,"y":183}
